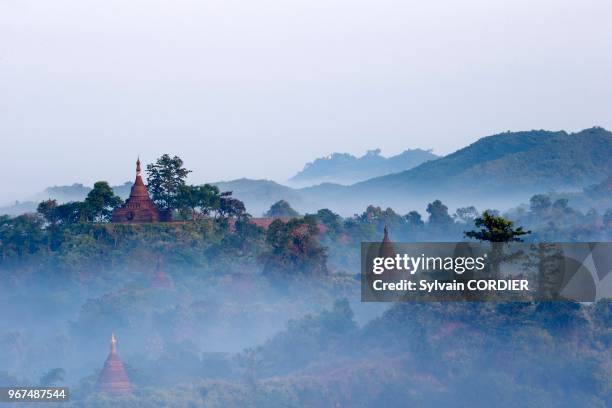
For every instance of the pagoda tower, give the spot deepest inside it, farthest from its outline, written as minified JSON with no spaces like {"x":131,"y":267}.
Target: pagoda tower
{"x":386,"y":247}
{"x":138,"y":208}
{"x":113,"y":379}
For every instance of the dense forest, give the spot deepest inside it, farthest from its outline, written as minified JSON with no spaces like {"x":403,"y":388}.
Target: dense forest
{"x":268,"y":317}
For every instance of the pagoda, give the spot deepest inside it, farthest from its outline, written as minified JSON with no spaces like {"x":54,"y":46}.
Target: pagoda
{"x":387,"y":250}
{"x":113,"y":379}
{"x":138,"y":208}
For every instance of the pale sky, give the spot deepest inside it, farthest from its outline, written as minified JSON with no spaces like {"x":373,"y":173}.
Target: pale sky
{"x":257,"y":88}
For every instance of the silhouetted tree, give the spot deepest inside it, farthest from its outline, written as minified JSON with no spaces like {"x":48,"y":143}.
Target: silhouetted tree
{"x":495,"y":228}
{"x":70,"y":213}
{"x":539,"y":203}
{"x":194,"y":201}
{"x":100,"y":202}
{"x":230,"y":207}
{"x":438,"y":214}
{"x":48,"y":210}
{"x":329,"y":218}
{"x":281,"y":209}
{"x":166,"y":178}
{"x":466,"y":214}
{"x":414,"y":219}
{"x":294,"y":248}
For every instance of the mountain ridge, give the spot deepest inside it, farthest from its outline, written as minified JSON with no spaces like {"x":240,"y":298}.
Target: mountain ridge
{"x":344,"y":168}
{"x":503,"y":168}
{"x":532,"y":155}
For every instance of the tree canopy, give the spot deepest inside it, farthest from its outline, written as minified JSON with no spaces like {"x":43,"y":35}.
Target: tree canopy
{"x":166,"y":181}
{"x":495,"y":228}
{"x":281,"y":209}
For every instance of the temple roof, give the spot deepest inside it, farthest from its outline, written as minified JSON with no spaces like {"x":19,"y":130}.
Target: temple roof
{"x":113,"y":379}
{"x":139,"y":190}
{"x":386,"y":248}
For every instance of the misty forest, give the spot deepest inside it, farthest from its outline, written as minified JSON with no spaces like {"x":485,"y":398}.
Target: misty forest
{"x":223,"y":307}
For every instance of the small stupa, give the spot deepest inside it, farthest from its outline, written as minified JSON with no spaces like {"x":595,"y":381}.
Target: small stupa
{"x":138,"y":208}
{"x":113,"y":379}
{"x":387,"y":250}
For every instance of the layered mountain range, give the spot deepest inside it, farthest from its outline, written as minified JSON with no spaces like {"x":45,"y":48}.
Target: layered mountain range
{"x":496,"y":171}
{"x":344,"y":168}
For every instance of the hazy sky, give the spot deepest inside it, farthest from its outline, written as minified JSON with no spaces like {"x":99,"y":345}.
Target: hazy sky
{"x":257,"y":88}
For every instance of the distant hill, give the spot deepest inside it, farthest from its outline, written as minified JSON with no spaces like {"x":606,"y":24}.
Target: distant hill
{"x":344,"y":168}
{"x":77,"y":192}
{"x":63,"y":194}
{"x":259,"y":195}
{"x":536,"y":160}
{"x":498,"y":171}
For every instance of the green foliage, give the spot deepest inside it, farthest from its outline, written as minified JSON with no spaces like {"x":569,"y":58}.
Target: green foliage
{"x":495,"y":229}
{"x":97,"y":207}
{"x":281,"y":209}
{"x":294,"y":247}
{"x":438,"y":214}
{"x":466,"y":214}
{"x":230,"y":207}
{"x":414,"y":219}
{"x":48,"y":210}
{"x":314,"y":336}
{"x":100,"y":203}
{"x":71,"y":212}
{"x":166,"y":180}
{"x":330,"y":219}
{"x":197,"y":201}
{"x":21,"y":236}
{"x":379,"y":217}
{"x":539,"y":203}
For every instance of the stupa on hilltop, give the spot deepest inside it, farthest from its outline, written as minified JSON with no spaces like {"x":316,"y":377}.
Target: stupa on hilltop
{"x":138,"y":208}
{"x":387,"y":250}
{"x":113,"y":379}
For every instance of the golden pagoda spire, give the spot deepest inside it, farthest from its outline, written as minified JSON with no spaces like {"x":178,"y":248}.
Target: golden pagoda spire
{"x":138,"y":172}
{"x":113,"y":379}
{"x":113,"y":344}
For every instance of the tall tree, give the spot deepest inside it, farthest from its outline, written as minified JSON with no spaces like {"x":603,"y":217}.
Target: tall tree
{"x":498,"y":231}
{"x":230,"y":207}
{"x":100,"y":202}
{"x":48,"y":210}
{"x":438,"y":214}
{"x":196,"y":201}
{"x":330,"y":219}
{"x":466,"y":214}
{"x":414,"y":219}
{"x":294,"y":248}
{"x":166,"y":178}
{"x":495,"y":228}
{"x":539,"y":203}
{"x":281,"y":209}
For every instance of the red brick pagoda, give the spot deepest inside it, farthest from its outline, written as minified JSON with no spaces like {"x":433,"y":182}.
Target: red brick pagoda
{"x":113,"y":379}
{"x":387,"y":250}
{"x":139,"y":208}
